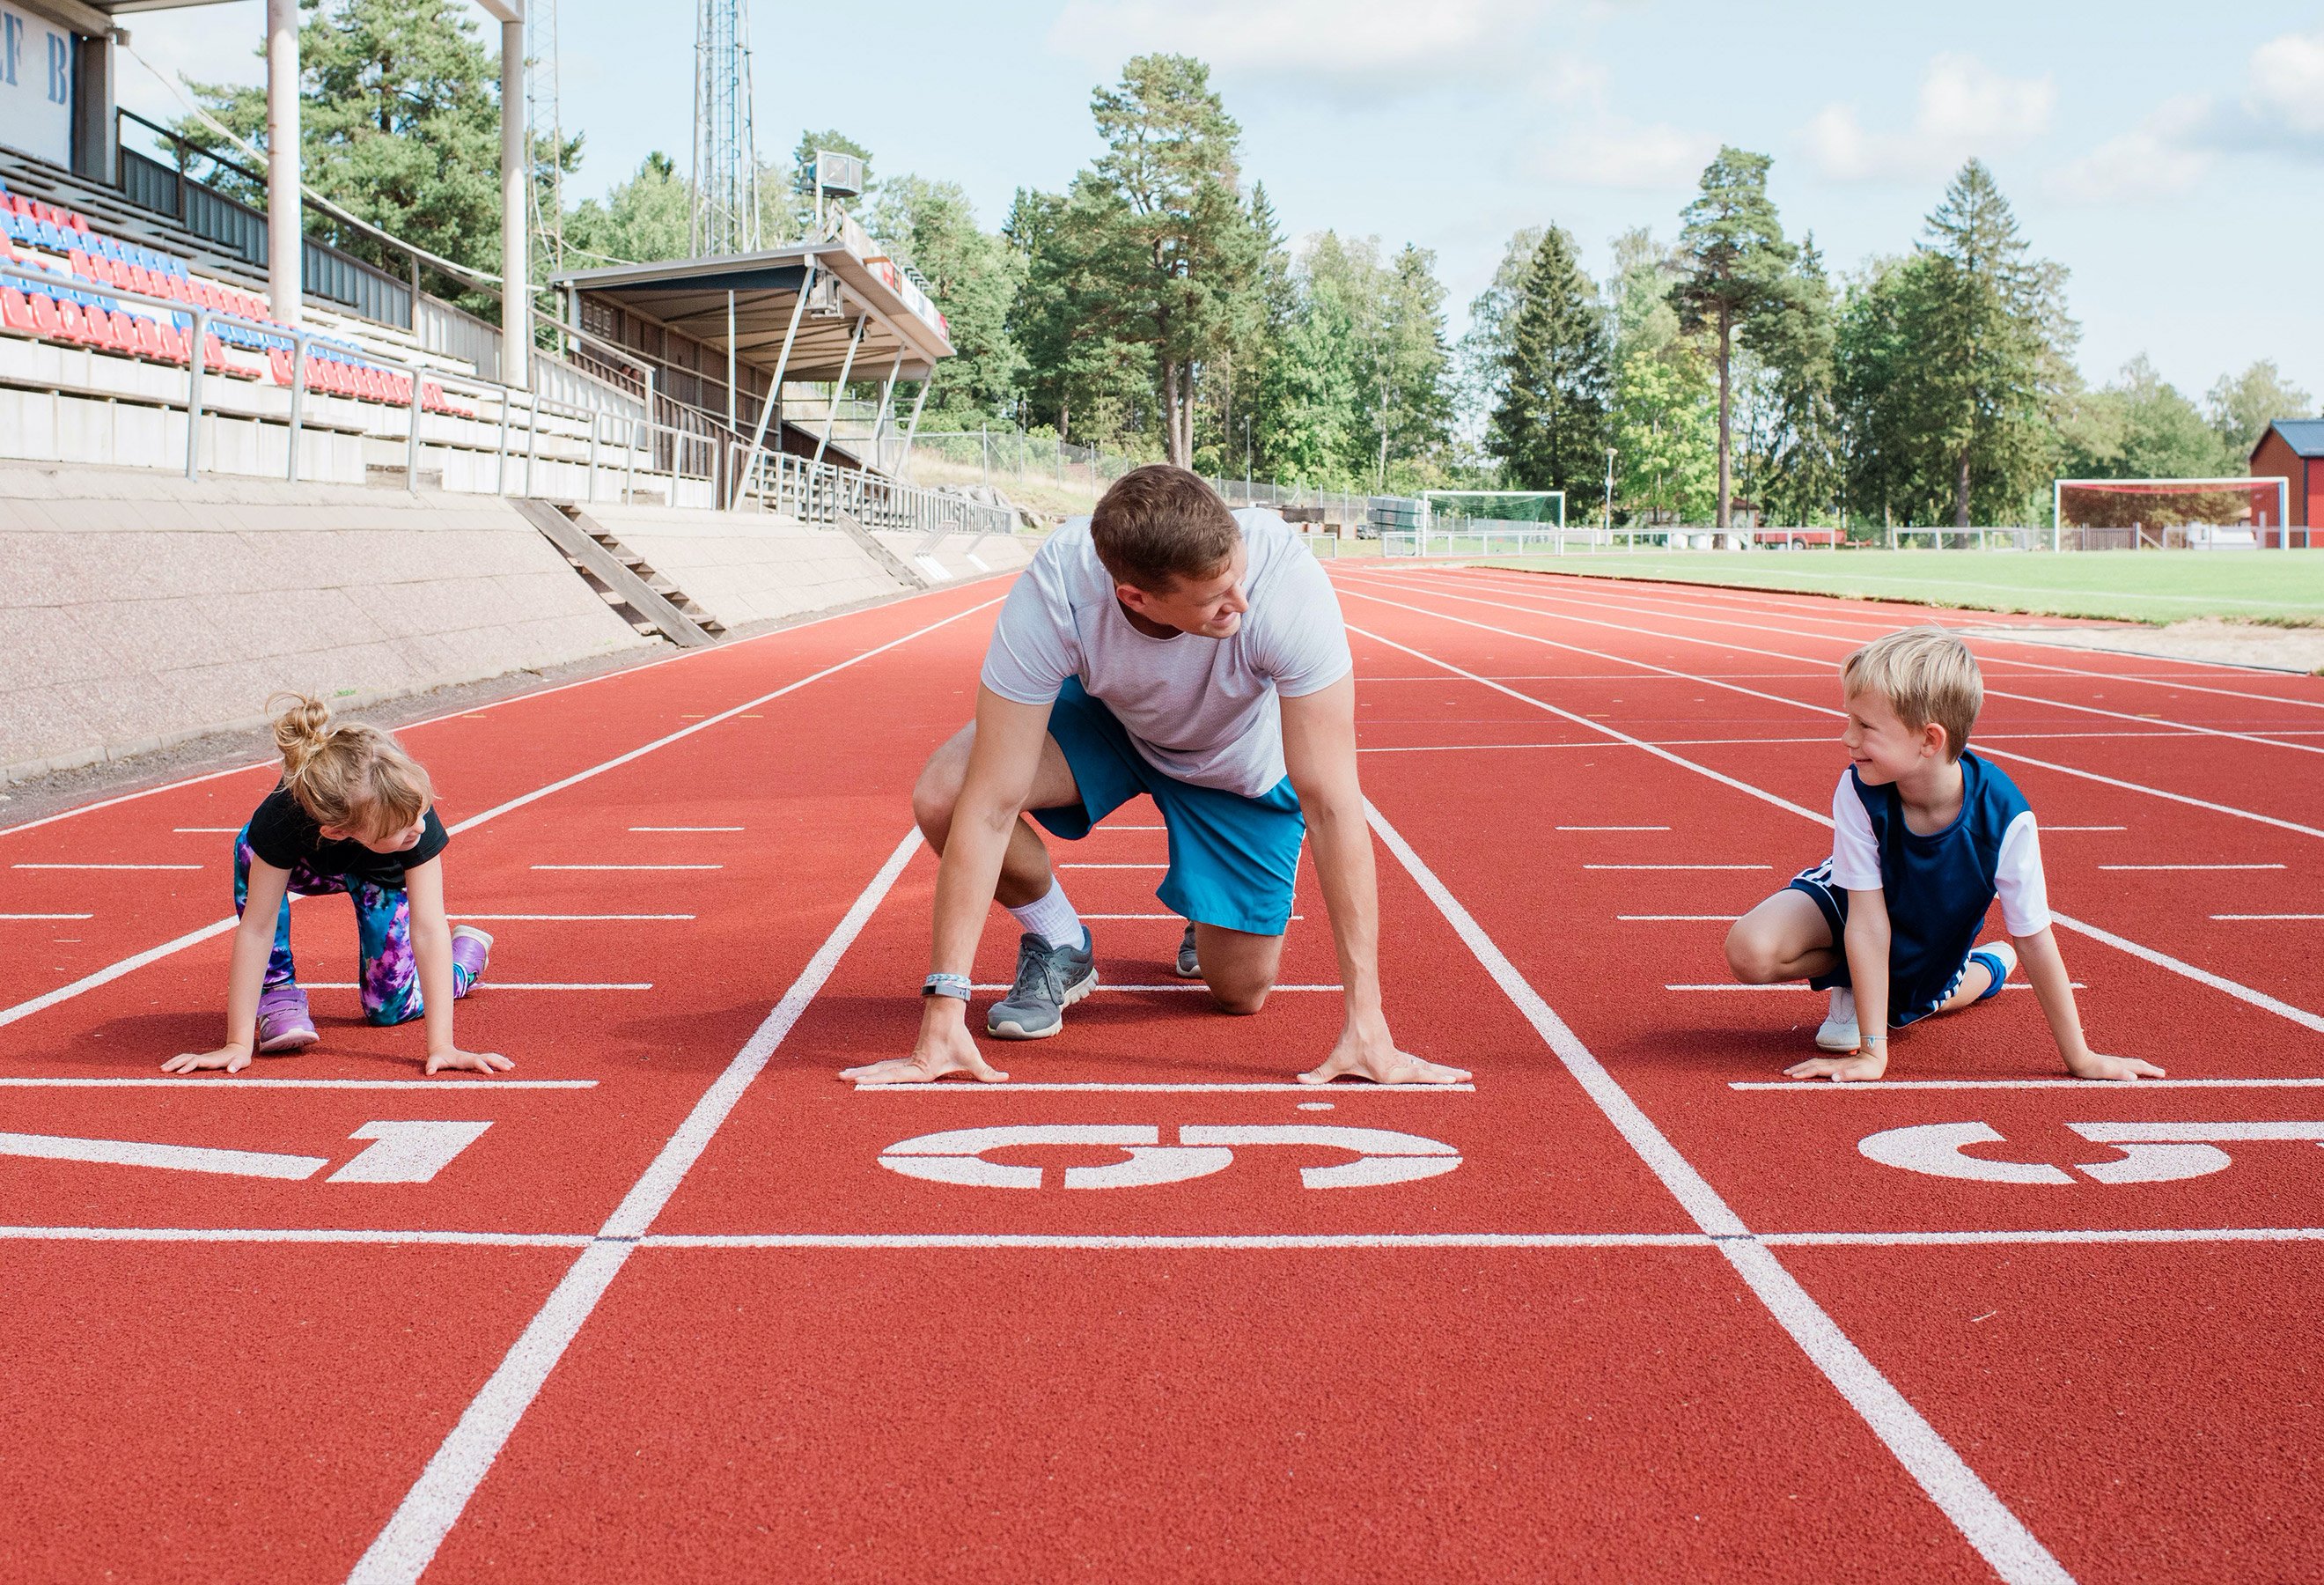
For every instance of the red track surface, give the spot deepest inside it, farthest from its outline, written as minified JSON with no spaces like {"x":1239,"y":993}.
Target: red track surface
{"x":669,"y":1318}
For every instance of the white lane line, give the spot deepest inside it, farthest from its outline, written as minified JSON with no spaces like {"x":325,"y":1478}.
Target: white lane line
{"x":685,"y":828}
{"x":2060,"y":1235}
{"x":2268,"y":916}
{"x":1870,"y":624}
{"x":571,"y":918}
{"x":237,"y":1081}
{"x":626,"y":867}
{"x":1800,"y":1086}
{"x":2242,"y":993}
{"x":2191,"y":866}
{"x":1980,"y":1515}
{"x":1184,"y":985}
{"x":403,"y":1550}
{"x":1678,"y":918}
{"x":1113,"y":866}
{"x":1185,"y":1089}
{"x":29,"y":916}
{"x":2047,"y":830}
{"x":1989,"y":751}
{"x":130,"y":965}
{"x":1800,"y":985}
{"x":205,"y":831}
{"x":1261,"y":1241}
{"x":1678,"y":867}
{"x":1178,"y":1240}
{"x":181,"y":1158}
{"x":1115,"y":828}
{"x":512,"y":985}
{"x":1467,"y":748}
{"x":1613,"y":828}
{"x":294,"y":1235}
{"x":107,"y":867}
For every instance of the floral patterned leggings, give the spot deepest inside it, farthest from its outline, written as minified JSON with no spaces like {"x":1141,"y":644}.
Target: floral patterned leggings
{"x":390,"y":978}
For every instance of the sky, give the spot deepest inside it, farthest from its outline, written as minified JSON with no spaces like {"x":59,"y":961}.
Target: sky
{"x":2169,"y":155}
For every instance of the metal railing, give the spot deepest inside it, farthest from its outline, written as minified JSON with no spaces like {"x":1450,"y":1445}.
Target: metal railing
{"x":821,"y":491}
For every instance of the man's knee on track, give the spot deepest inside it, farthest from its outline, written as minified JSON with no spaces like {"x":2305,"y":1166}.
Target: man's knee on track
{"x":1238,"y":1000}
{"x":934,"y":796}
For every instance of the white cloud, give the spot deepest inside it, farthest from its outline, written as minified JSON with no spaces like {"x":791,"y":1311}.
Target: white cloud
{"x":1965,"y":108}
{"x":1379,"y":44}
{"x":1612,"y":154}
{"x":2287,"y":83}
{"x":2165,"y":155}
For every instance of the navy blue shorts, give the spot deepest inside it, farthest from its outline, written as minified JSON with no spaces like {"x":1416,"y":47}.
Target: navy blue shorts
{"x":1233,"y":860}
{"x":1908,"y":1002}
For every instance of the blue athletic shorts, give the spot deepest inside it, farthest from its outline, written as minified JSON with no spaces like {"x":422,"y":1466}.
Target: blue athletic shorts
{"x":1233,"y":859}
{"x":1910,"y":999}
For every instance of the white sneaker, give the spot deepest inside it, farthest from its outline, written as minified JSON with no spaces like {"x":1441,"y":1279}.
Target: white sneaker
{"x":1838,"y":1032}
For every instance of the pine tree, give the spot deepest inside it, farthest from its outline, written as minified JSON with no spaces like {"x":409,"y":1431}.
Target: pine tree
{"x":974,"y":278}
{"x":1734,"y":262}
{"x":1790,"y":449}
{"x":1549,"y":430}
{"x":1991,"y":325}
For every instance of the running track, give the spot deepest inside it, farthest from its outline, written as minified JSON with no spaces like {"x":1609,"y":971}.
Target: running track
{"x":668,"y":1316}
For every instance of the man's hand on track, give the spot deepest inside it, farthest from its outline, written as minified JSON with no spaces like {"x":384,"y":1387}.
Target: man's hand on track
{"x":1374,"y":1055}
{"x":2097,"y":1065}
{"x":945,"y":1049}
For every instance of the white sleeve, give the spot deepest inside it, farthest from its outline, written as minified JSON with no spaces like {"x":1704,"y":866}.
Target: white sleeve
{"x":1854,"y":851}
{"x":1034,"y":648}
{"x":1306,"y":645}
{"x":2018,"y":878}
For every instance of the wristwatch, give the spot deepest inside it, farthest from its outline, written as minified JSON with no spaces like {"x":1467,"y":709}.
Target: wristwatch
{"x":945,"y":985}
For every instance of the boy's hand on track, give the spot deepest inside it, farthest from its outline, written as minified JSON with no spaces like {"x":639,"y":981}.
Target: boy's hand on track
{"x":1373,"y":1055}
{"x":947,"y":1048}
{"x":2095,"y":1065}
{"x":455,"y":1061}
{"x":233,"y":1059}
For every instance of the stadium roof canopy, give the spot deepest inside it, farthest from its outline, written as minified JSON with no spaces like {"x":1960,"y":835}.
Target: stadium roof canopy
{"x":853,"y":296}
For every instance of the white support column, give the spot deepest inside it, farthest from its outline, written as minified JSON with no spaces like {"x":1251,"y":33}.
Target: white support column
{"x":516,"y":257}
{"x":284,"y":235}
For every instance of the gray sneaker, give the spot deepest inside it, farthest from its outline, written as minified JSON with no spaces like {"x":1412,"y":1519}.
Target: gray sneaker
{"x":1190,"y":967}
{"x":1049,"y":979}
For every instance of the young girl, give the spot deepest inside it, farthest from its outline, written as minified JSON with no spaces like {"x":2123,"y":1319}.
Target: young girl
{"x":353,"y":813}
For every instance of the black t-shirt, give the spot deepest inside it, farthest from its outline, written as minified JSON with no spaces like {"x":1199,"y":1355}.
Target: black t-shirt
{"x":286,"y":836}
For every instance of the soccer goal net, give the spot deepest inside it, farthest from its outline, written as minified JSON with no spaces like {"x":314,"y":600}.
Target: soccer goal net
{"x":2170,"y":513}
{"x":1476,"y":523}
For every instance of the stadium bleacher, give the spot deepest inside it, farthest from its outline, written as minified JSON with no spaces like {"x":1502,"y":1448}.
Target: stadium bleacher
{"x":41,"y":239}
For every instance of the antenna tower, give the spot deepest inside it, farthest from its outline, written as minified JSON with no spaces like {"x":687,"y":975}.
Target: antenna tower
{"x":724,"y":214}
{"x":542,"y":116}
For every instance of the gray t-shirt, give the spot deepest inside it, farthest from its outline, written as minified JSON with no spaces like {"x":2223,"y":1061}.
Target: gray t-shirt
{"x":1202,"y":709}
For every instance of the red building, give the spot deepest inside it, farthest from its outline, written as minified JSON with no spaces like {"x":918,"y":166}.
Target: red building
{"x":2292,"y":450}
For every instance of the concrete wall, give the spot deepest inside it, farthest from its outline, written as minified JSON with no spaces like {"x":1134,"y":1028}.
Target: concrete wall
{"x":137,"y":609}
{"x":747,"y":567}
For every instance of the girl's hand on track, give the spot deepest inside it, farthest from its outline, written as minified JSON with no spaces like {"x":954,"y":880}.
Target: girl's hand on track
{"x":233,"y":1059}
{"x":2092,"y":1065}
{"x":455,"y":1060}
{"x":1856,"y":1069}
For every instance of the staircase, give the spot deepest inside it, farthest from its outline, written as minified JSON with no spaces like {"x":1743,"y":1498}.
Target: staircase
{"x":650,"y":603}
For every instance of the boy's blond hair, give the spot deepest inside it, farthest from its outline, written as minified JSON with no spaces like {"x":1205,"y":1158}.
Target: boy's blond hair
{"x":348,"y":774}
{"x":1926,"y":675}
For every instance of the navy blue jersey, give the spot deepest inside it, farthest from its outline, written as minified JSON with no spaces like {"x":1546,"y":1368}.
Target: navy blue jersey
{"x":1937,"y":886}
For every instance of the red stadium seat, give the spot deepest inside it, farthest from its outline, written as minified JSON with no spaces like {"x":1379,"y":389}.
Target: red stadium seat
{"x":148,"y":336}
{"x":45,"y":322}
{"x":15,"y":313}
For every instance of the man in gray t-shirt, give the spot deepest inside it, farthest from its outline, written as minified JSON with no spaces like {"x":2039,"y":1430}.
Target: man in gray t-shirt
{"x":1170,"y":648}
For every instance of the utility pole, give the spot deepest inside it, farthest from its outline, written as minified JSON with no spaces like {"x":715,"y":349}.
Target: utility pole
{"x":723,"y":208}
{"x":542,"y":98}
{"x":1246,"y":459}
{"x":1610,"y":494}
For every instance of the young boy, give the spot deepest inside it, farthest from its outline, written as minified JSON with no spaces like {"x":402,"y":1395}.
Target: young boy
{"x":1925,"y":836}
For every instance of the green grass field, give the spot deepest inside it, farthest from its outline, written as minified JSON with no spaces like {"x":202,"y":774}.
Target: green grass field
{"x":2280,"y":587}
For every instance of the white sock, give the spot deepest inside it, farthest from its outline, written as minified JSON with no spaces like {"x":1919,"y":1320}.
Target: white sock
{"x":1843,"y":1006}
{"x":1052,"y":918}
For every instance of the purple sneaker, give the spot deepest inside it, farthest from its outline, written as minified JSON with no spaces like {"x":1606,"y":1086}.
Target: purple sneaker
{"x":284,"y":1024}
{"x":471,"y":948}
